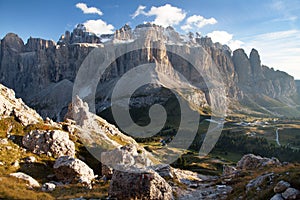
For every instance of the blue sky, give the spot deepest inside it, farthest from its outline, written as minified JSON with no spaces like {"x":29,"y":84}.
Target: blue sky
{"x":270,"y":26}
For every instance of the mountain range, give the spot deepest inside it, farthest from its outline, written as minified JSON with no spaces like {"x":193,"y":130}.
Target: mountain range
{"x":42,"y":72}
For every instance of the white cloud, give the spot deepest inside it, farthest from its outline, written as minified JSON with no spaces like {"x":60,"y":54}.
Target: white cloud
{"x":99,"y":27}
{"x":280,"y":50}
{"x":166,"y":15}
{"x":197,"y":21}
{"x":224,"y":37}
{"x":88,"y":10}
{"x":139,"y":11}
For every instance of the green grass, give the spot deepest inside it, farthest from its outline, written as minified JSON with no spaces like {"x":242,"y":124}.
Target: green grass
{"x":13,"y":188}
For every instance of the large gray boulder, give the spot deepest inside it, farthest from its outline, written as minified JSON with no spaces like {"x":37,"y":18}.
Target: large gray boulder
{"x":144,"y":185}
{"x":54,"y":143}
{"x":72,"y":170}
{"x":291,"y":193}
{"x":281,"y":186}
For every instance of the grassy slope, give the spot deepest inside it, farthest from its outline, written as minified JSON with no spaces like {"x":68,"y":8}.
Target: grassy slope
{"x":12,"y":188}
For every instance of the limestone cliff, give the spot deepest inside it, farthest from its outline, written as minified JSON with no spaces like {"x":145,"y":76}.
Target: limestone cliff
{"x":39,"y":70}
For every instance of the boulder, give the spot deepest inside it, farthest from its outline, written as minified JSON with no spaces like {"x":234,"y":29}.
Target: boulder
{"x":251,"y":162}
{"x":125,"y":156}
{"x":72,"y":170}
{"x":291,"y":193}
{"x":31,"y":181}
{"x":229,"y":170}
{"x":144,"y":185}
{"x":281,"y":186}
{"x":3,"y":141}
{"x":48,"y":187}
{"x":258,"y":181}
{"x":54,"y":143}
{"x":165,"y":171}
{"x":30,"y":159}
{"x":277,"y":197}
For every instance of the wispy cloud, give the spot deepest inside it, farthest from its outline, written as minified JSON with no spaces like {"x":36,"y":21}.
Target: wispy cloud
{"x":285,"y":10}
{"x":197,"y":21}
{"x":139,"y":11}
{"x":88,"y":10}
{"x":224,"y":37}
{"x":280,"y":50}
{"x":166,"y":15}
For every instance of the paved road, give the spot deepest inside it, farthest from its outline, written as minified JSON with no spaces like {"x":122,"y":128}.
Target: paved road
{"x":277,"y":137}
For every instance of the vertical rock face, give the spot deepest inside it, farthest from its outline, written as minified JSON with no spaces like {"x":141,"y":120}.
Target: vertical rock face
{"x":297,"y":82}
{"x":42,"y":65}
{"x":243,"y":68}
{"x":256,"y":66}
{"x":278,"y":84}
{"x":36,"y":44}
{"x":221,"y":55}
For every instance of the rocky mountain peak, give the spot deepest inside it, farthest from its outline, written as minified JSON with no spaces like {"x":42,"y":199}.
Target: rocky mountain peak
{"x":36,"y":44}
{"x":242,"y":67}
{"x":124,"y":33}
{"x":13,"y":42}
{"x":207,"y":42}
{"x":256,"y":66}
{"x":80,"y":34}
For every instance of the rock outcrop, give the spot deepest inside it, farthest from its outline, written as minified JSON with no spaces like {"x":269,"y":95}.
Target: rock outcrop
{"x":54,"y":143}
{"x":94,"y":130}
{"x":72,"y":170}
{"x":11,"y":106}
{"x":251,"y":162}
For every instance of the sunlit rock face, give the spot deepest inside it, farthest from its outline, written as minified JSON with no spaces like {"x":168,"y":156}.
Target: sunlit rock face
{"x":39,"y":70}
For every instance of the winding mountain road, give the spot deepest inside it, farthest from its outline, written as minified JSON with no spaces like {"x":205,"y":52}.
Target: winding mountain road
{"x":277,"y":137}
